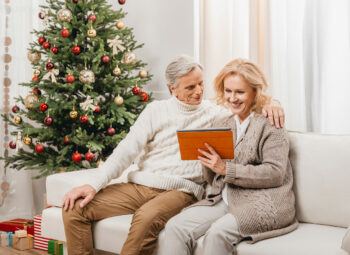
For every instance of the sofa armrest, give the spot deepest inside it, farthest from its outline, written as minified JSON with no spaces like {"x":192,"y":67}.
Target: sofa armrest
{"x":346,"y":241}
{"x":57,"y":185}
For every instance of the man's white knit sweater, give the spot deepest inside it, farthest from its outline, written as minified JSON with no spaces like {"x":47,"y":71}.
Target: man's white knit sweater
{"x":154,"y":132}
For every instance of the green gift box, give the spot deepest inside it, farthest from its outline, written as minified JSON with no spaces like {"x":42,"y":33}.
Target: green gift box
{"x":55,"y":247}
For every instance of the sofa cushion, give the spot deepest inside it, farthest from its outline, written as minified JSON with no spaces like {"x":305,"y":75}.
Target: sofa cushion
{"x":321,"y":168}
{"x":57,"y":185}
{"x":310,"y":239}
{"x":111,"y":233}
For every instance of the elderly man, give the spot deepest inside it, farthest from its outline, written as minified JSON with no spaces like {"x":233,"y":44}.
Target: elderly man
{"x":164,"y":184}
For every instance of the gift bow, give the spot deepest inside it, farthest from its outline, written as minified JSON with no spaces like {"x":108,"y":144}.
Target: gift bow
{"x":88,"y":104}
{"x":116,"y":44}
{"x":51,"y":74}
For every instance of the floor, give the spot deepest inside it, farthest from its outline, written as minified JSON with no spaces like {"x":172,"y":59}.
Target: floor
{"x":11,"y":251}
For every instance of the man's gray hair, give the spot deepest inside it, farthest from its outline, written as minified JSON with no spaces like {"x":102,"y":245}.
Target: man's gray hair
{"x":179,"y":67}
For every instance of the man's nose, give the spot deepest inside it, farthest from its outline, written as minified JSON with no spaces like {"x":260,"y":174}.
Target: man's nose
{"x":199,"y":89}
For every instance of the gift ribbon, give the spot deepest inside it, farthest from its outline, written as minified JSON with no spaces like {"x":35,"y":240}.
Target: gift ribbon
{"x":116,"y":44}
{"x":51,"y":75}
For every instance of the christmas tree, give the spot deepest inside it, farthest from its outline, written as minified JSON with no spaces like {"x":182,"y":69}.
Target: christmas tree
{"x":86,"y":90}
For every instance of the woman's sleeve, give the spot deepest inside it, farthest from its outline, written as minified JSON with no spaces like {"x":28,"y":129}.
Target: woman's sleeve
{"x":272,"y":169}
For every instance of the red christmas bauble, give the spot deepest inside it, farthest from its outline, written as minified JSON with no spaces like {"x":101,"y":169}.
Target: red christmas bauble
{"x":97,"y":109}
{"x":43,"y":107}
{"x":89,"y":156}
{"x":48,"y":121}
{"x":76,"y":50}
{"x":65,"y":33}
{"x":121,"y":1}
{"x":144,"y":96}
{"x":136,"y":90}
{"x":41,"y":15}
{"x":41,"y":40}
{"x":110,"y":131}
{"x":84,"y":119}
{"x":49,"y":65}
{"x":92,"y":17}
{"x":36,"y":91}
{"x":15,"y":109}
{"x":66,"y":139}
{"x":46,"y":45}
{"x":54,"y":50}
{"x":70,"y":78}
{"x":35,"y":78}
{"x":77,"y":157}
{"x":12,"y":145}
{"x":105,"y":59}
{"x":39,"y":148}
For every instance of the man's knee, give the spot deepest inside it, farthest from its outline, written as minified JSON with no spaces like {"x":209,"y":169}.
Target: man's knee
{"x":148,"y":219}
{"x":72,"y":214}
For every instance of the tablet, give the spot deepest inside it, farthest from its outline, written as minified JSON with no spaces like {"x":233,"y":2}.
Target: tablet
{"x":221,"y":139}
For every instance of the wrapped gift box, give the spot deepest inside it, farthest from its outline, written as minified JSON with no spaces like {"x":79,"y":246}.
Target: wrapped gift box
{"x":23,"y":243}
{"x":55,"y":247}
{"x":6,"y":239}
{"x":40,"y":242}
{"x":16,"y":224}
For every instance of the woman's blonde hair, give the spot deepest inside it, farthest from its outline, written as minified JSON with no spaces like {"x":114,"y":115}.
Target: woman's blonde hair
{"x":251,"y":73}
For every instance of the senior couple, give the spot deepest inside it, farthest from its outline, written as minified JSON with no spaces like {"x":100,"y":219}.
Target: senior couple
{"x":250,"y":197}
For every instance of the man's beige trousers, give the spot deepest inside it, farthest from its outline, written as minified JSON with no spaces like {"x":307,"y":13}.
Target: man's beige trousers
{"x":151,"y":207}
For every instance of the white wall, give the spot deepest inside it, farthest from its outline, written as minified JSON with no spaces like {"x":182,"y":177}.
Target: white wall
{"x":167,"y":28}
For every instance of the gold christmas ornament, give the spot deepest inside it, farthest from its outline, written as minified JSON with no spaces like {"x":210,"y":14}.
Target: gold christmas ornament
{"x":91,"y":33}
{"x":17,"y":120}
{"x":87,"y":76}
{"x":73,"y":114}
{"x":36,"y":72}
{"x":30,"y":101}
{"x":64,"y":15}
{"x":143,"y":74}
{"x":118,"y":100}
{"x":27,"y":140}
{"x":120,"y":24}
{"x":129,"y":58}
{"x":117,"y":71}
{"x":34,"y":57}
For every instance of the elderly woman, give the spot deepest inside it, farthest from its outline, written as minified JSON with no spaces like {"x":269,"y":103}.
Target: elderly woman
{"x":251,"y":197}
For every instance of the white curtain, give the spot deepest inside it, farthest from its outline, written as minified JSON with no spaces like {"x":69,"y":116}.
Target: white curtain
{"x":303,"y":46}
{"x":17,"y":20}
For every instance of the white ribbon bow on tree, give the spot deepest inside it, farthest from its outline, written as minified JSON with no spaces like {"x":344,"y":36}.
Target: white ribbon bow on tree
{"x":116,"y":44}
{"x":51,"y":75}
{"x":88,"y":104}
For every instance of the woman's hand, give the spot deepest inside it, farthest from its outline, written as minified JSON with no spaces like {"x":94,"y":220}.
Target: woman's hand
{"x":212,"y":160}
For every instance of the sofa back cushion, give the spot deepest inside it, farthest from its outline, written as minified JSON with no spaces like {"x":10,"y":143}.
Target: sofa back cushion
{"x":321,"y":167}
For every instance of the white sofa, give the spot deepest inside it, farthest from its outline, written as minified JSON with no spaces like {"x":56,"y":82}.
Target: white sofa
{"x":322,"y":188}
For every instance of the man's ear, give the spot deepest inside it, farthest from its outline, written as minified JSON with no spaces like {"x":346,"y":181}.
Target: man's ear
{"x":171,"y":89}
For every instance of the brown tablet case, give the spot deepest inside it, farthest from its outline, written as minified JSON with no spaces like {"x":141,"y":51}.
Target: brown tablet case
{"x":192,"y":140}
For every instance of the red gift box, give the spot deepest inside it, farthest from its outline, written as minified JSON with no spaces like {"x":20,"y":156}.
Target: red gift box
{"x":16,"y":224}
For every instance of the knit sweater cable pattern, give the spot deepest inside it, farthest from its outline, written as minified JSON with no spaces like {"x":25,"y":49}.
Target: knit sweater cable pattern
{"x":153,"y":135}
